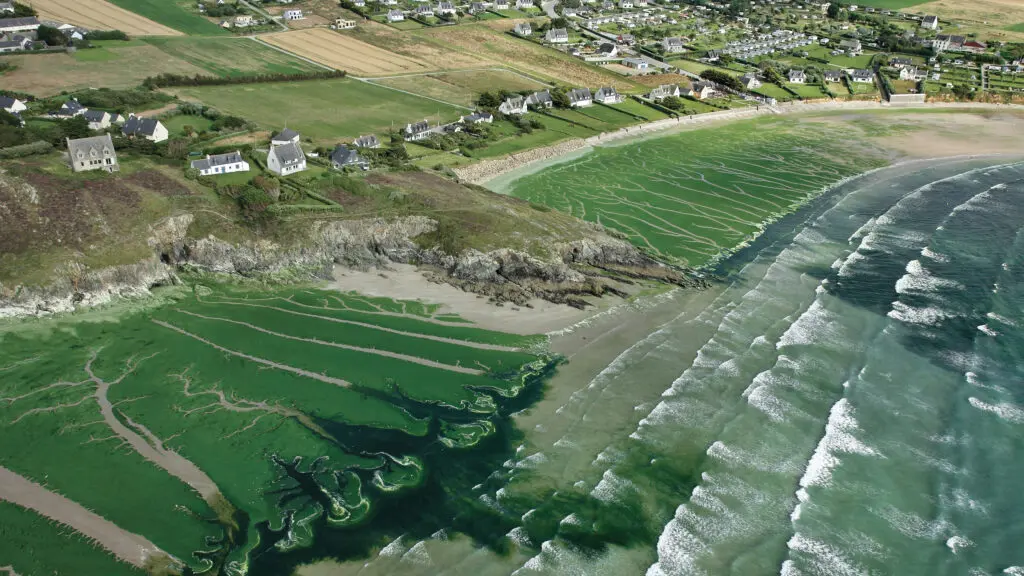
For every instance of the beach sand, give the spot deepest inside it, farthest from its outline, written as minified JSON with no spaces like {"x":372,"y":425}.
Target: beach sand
{"x":405,"y":282}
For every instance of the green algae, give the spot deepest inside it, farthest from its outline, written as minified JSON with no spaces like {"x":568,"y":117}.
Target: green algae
{"x":304,"y":407}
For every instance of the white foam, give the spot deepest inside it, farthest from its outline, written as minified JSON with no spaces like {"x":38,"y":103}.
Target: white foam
{"x":1006,"y":411}
{"x":988,"y":331}
{"x":826,"y":558}
{"x":920,"y":280}
{"x":839,"y":439}
{"x":925,"y":316}
{"x":1001,"y":319}
{"x":957,"y":543}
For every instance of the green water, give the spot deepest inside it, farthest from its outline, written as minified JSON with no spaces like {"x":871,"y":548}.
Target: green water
{"x":695,"y":196}
{"x":304,"y":407}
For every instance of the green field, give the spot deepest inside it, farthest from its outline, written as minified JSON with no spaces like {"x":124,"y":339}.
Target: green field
{"x":1019,"y":27}
{"x":359,"y":395}
{"x":774,"y":91}
{"x":690,"y":208}
{"x":325,"y":110}
{"x":228,"y":57}
{"x":175,"y":126}
{"x":173,"y":14}
{"x":808,"y":91}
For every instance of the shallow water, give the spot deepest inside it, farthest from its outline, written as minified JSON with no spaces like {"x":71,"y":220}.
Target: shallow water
{"x":846,"y":401}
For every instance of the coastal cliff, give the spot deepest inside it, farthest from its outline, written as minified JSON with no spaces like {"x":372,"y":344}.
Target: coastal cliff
{"x":591,"y":266}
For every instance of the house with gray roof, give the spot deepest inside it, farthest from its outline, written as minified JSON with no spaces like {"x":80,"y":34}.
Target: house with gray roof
{"x":580,"y":97}
{"x":94,"y":153}
{"x":286,"y":159}
{"x":557,"y":36}
{"x":478,"y":117}
{"x":395,"y":16}
{"x":445,"y":8}
{"x":833,"y":76}
{"x":6,"y":7}
{"x":149,"y":128}
{"x":540,"y":99}
{"x":608,"y":95}
{"x":12,"y":105}
{"x":797,"y":77}
{"x":286,"y":136}
{"x":17,"y":43}
{"x":367,"y":141}
{"x":750,"y":81}
{"x":13,"y":25}
{"x":423,"y":11}
{"x":862,"y":76}
{"x":98,"y":119}
{"x":523,"y":29}
{"x":69,"y":109}
{"x":673,"y":44}
{"x":221,"y":164}
{"x":417,"y":130}
{"x":513,"y":105}
{"x":343,"y":156}
{"x":664,"y":91}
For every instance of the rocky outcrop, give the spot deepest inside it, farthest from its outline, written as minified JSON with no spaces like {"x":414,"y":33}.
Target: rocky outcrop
{"x":593,"y":266}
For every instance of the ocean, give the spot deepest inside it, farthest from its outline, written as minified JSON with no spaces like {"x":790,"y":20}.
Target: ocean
{"x":847,"y":399}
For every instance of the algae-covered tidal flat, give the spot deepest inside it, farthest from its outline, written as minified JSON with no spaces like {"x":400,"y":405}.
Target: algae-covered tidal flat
{"x":226,"y":425}
{"x":694,"y":196}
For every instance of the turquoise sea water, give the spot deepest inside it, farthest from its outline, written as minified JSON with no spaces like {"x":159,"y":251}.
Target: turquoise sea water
{"x":848,"y":400}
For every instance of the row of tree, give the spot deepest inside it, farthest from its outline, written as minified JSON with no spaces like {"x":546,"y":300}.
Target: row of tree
{"x":167,"y":80}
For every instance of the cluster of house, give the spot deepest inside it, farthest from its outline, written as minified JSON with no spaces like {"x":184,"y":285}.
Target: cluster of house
{"x":698,"y":91}
{"x":578,"y":98}
{"x":952,"y":43}
{"x":649,"y":17}
{"x":286,"y":155}
{"x":132,"y":126}
{"x":422,"y":130}
{"x":762,"y":44}
{"x":16,"y":33}
{"x":858,"y":75}
{"x":424,"y":10}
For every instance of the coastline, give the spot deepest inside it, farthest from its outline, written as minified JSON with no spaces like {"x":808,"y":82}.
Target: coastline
{"x":499,"y":173}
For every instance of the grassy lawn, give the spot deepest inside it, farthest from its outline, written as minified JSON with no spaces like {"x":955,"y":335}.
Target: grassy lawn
{"x":904,"y":86}
{"x":95,"y":55}
{"x":175,"y":126}
{"x":229,"y":57}
{"x":1019,"y":27}
{"x":863,"y":88}
{"x":405,"y":25}
{"x":633,"y":107}
{"x":324,"y":110}
{"x":555,"y":130}
{"x":236,"y":177}
{"x":809,"y":91}
{"x":837,"y":88}
{"x":172,"y":14}
{"x":844,"y":61}
{"x":774,"y":91}
{"x":698,"y":67}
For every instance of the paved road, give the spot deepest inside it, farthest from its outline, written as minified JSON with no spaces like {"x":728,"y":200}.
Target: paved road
{"x":549,"y":8}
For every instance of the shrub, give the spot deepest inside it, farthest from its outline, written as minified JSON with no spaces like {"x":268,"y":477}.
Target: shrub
{"x":23,"y":150}
{"x":169,"y":80}
{"x":106,"y":35}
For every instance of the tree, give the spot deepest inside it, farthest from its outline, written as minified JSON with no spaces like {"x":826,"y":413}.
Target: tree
{"x":51,"y":36}
{"x":834,"y":10}
{"x":963,"y":92}
{"x":177,"y":148}
{"x":672,"y":103}
{"x":559,"y":23}
{"x":77,"y":127}
{"x":8,"y":119}
{"x":23,"y":10}
{"x":560,"y":99}
{"x":719,"y":77}
{"x":488,"y":100}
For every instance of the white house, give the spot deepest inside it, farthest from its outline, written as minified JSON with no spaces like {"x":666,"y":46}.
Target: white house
{"x":673,"y":44}
{"x":501,"y":5}
{"x":221,"y":164}
{"x":664,"y":91}
{"x":702,"y":90}
{"x":608,"y":95}
{"x":367,"y":141}
{"x":930,"y":22}
{"x":557,"y":36}
{"x":912,"y":73}
{"x":343,"y":24}
{"x":580,"y":98}
{"x":95,"y":153}
{"x":637,"y":63}
{"x":423,"y":11}
{"x":17,"y":43}
{"x":524,"y":4}
{"x":750,"y":81}
{"x":445,"y":8}
{"x":626,"y":4}
{"x":343,"y":156}
{"x":98,"y":119}
{"x":286,"y":159}
{"x":478,"y":117}
{"x":14,"y":25}
{"x":862,"y":76}
{"x":286,"y":136}
{"x":12,"y":105}
{"x":417,"y":130}
{"x":6,"y":7}
{"x":243,"y":21}
{"x":797,"y":77}
{"x":395,"y":16}
{"x":513,"y":105}
{"x":293,"y":14}
{"x":149,"y":128}
{"x":523,"y":29}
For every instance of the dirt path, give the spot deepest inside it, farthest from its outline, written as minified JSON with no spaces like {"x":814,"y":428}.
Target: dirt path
{"x":285,"y":367}
{"x":129,"y":547}
{"x":385,"y":353}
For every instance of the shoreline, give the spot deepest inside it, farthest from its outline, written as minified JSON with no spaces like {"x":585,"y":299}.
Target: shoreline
{"x":514,"y":166}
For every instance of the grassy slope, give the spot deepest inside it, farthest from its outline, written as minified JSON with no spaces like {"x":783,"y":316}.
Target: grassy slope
{"x":229,"y":57}
{"x":323,"y":110}
{"x":170,"y":13}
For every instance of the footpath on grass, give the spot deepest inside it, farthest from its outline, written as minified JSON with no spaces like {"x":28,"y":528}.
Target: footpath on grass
{"x":487,"y":170}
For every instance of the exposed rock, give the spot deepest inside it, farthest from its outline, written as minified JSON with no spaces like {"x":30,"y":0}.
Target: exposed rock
{"x":580,"y":268}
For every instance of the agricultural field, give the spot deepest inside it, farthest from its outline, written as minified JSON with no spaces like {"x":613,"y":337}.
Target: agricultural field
{"x":419,"y":48}
{"x":100,"y":15}
{"x":115,"y":66}
{"x":229,"y":57}
{"x":503,"y":50}
{"x":174,"y":14}
{"x":344,"y":52}
{"x":691,"y":208}
{"x":325,"y":110}
{"x":985,"y":17}
{"x":892,"y":4}
{"x":361,"y":398}
{"x":460,"y":88}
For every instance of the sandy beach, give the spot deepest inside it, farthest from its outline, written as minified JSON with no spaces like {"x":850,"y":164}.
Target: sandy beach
{"x":500,"y":172}
{"x":405,"y":282}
